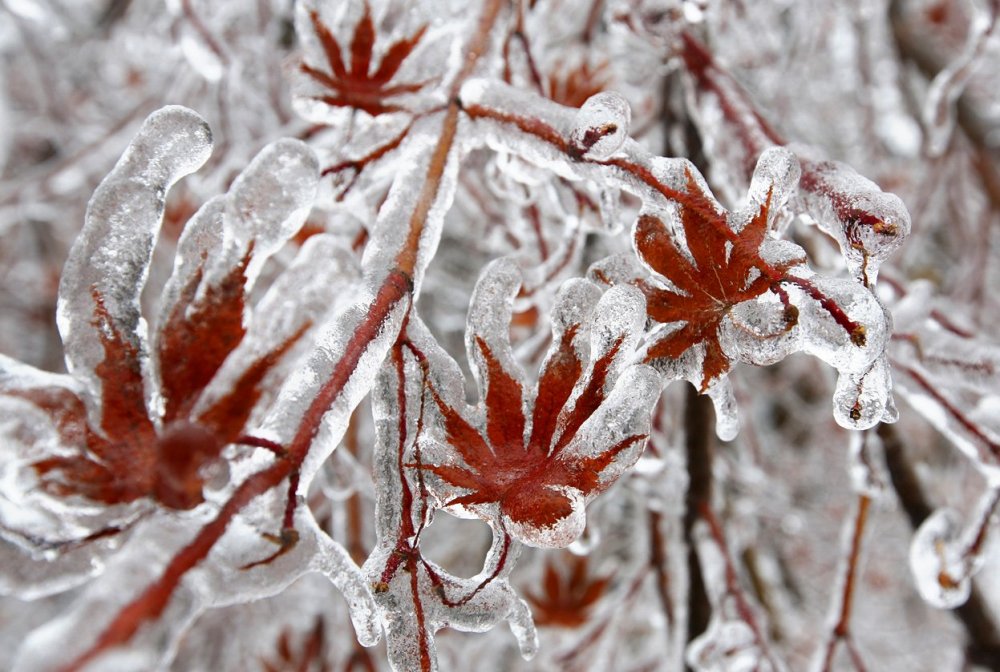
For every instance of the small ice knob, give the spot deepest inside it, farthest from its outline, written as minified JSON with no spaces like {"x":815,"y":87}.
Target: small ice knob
{"x":601,"y":126}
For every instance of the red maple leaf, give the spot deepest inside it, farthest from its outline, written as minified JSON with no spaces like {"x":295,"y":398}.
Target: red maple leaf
{"x":128,"y":456}
{"x":358,"y":87}
{"x":532,"y":481}
{"x":567,"y":599}
{"x":724,"y":269}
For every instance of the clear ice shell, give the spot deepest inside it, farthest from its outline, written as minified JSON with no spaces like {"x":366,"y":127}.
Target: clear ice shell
{"x":777,"y":173}
{"x":270,"y":200}
{"x":825,"y":338}
{"x":867,"y":223}
{"x":601,"y":125}
{"x":863,"y":399}
{"x":936,"y":563}
{"x":112,"y":254}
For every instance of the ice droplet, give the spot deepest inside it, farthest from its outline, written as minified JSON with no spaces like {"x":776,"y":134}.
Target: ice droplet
{"x":936,"y":562}
{"x":601,"y":125}
{"x":862,"y":400}
{"x":727,"y":419}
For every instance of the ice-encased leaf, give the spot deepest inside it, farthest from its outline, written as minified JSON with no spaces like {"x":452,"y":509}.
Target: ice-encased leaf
{"x":110,"y":259}
{"x":41,"y":416}
{"x":202,"y":237}
{"x":199,"y":324}
{"x":309,"y":292}
{"x":219,"y":255}
{"x":416,"y":598}
{"x":352,"y":64}
{"x":533,"y":472}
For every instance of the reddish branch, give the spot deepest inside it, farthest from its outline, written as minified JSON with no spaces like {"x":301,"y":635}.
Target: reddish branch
{"x":990,"y":449}
{"x":658,"y":562}
{"x":841,"y":629}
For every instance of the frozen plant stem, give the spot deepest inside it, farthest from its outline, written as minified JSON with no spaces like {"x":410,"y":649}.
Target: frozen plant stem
{"x":841,"y":631}
{"x":735,"y":590}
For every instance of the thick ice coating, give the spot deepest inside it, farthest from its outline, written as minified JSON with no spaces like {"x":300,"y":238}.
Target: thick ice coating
{"x":270,"y":199}
{"x":109,"y":262}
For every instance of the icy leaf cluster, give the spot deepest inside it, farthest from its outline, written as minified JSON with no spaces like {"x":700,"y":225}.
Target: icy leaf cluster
{"x":332,"y":328}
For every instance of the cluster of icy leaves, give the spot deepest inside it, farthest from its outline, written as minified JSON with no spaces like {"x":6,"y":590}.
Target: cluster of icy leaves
{"x":863,"y":396}
{"x":135,"y":191}
{"x":265,"y":206}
